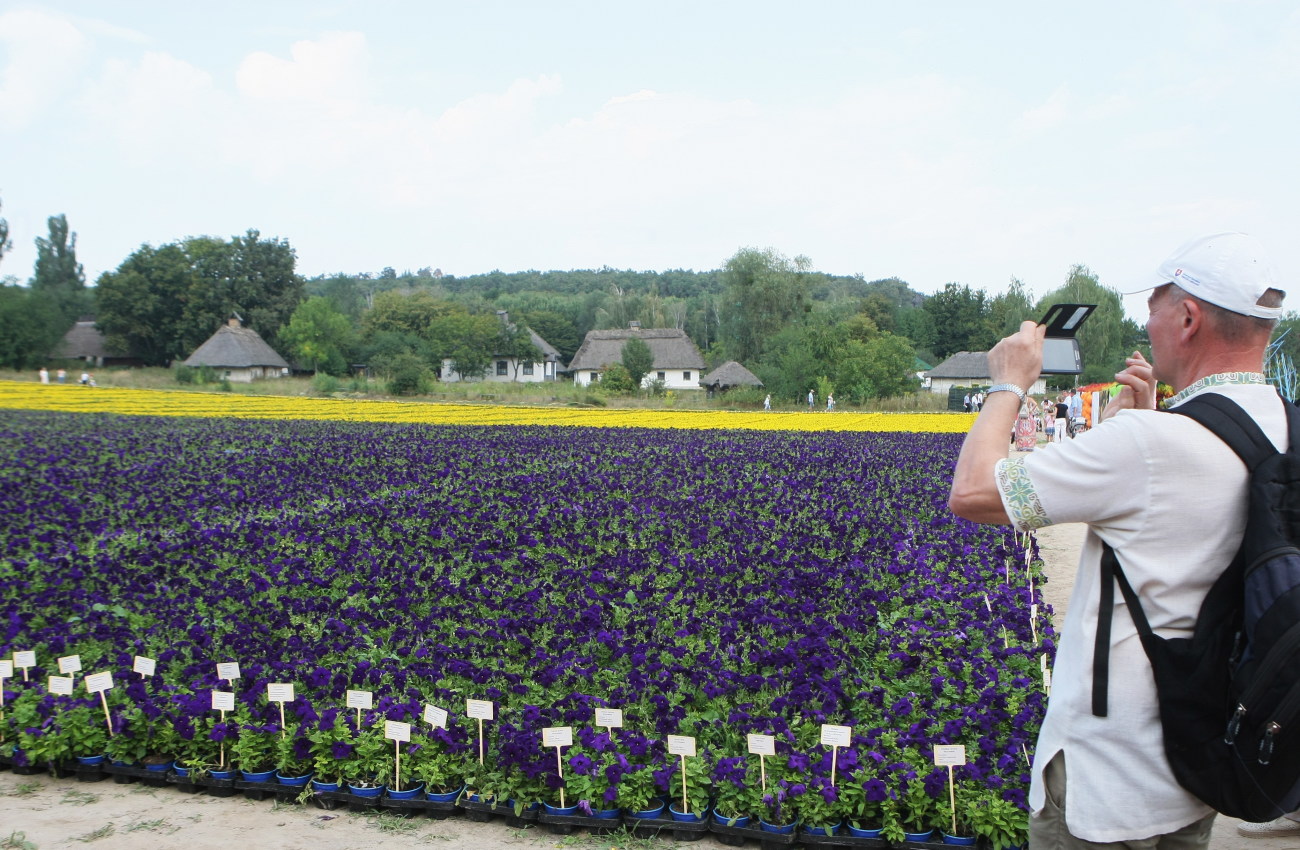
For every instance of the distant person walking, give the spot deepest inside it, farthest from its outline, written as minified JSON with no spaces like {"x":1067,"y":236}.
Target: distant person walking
{"x":63,"y":375}
{"x":767,"y":402}
{"x":45,"y":375}
{"x":830,"y":402}
{"x":812,"y":399}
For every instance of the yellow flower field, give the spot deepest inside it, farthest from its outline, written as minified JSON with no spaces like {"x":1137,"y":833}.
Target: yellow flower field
{"x":138,"y":402}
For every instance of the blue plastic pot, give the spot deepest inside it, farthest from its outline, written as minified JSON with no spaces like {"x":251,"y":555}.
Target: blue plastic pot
{"x":358,"y":791}
{"x":778,"y":828}
{"x":959,"y":840}
{"x":443,"y":796}
{"x":648,"y":814}
{"x":257,"y":775}
{"x":408,"y":794}
{"x":858,"y":832}
{"x":89,"y":760}
{"x":821,"y":830}
{"x":325,"y":787}
{"x":293,"y":781}
{"x":605,"y":814}
{"x":563,"y":811}
{"x":183,"y":772}
{"x":223,"y":774}
{"x":685,"y":817}
{"x":160,"y":768}
{"x":734,"y":822}
{"x":918,"y":836}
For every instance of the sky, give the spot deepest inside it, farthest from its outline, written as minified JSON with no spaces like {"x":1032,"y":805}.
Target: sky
{"x":933,"y":141}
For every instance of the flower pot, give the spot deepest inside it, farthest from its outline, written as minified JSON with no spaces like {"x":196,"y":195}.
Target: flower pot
{"x":959,"y":840}
{"x":859,"y":832}
{"x":778,"y":828}
{"x":648,"y":814}
{"x":560,"y":810}
{"x":408,"y":794}
{"x":324,"y":787}
{"x":605,"y":814}
{"x":685,"y":817}
{"x":182,"y":772}
{"x":294,"y":781}
{"x":257,"y":775}
{"x":918,"y":837}
{"x":443,"y":796}
{"x":161,"y":767}
{"x":223,"y":774}
{"x":733,"y":821}
{"x":828,"y":829}
{"x":371,"y":791}
{"x":90,"y":760}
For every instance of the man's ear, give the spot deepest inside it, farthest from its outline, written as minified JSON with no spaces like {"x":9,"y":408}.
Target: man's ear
{"x":1191,"y":316}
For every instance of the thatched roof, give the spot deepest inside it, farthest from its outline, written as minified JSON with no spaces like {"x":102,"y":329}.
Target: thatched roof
{"x":730,"y":374}
{"x":83,"y":341}
{"x":963,"y":364}
{"x":549,"y":352}
{"x":235,"y":347}
{"x":672,"y":348}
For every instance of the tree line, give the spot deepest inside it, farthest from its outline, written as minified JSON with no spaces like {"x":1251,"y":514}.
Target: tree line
{"x":797,"y":329}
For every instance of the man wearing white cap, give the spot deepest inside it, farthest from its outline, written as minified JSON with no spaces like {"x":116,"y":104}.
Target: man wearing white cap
{"x":1169,"y":497}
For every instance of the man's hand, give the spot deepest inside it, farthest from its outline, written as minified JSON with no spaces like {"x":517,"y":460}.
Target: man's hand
{"x":1138,"y":390}
{"x":1018,"y":359}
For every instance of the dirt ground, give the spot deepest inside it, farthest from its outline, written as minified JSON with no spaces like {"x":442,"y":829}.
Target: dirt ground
{"x":45,"y":813}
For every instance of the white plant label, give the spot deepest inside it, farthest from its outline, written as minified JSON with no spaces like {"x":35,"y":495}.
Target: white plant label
{"x":609,"y":717}
{"x":681,"y":745}
{"x":361,"y":699}
{"x":762,"y":745}
{"x":1047,"y":679}
{"x":836,"y":736}
{"x":144,"y":666}
{"x":6,"y":669}
{"x":70,"y":664}
{"x":223,"y":701}
{"x":25,"y":659}
{"x":435,"y":717}
{"x":228,"y":671}
{"x":397,"y":731}
{"x":97,"y":682}
{"x":557,"y":736}
{"x":61,"y":685}
{"x":479,"y":709}
{"x":279,"y":692}
{"x":949,"y":755}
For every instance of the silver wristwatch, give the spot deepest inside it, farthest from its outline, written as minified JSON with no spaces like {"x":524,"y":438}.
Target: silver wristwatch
{"x":1010,"y":388}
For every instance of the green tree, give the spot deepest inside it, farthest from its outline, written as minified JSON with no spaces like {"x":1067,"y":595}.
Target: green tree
{"x":516,"y":343}
{"x":58,"y":276}
{"x":764,"y":292}
{"x":29,"y":328}
{"x":1008,"y":310}
{"x":319,"y":336}
{"x":556,"y":329}
{"x":405,"y":313}
{"x":1108,"y":336}
{"x":959,"y":317}
{"x":247,"y":274}
{"x":468,"y":341}
{"x":637,"y":359}
{"x":139,"y":307}
{"x":616,"y":379}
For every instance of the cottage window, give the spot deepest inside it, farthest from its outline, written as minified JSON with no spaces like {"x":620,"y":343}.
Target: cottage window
{"x":501,"y":367}
{"x":595,"y":376}
{"x":663,"y":376}
{"x":686,"y":376}
{"x":528,"y":368}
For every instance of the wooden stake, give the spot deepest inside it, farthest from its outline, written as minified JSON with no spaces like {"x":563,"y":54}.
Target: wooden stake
{"x":397,"y":751}
{"x":480,"y":740}
{"x":559,"y":766}
{"x":108,"y":721}
{"x":1028,"y":761}
{"x":952,"y":800}
{"x":834,"y":755}
{"x":223,"y":742}
{"x":686,"y":806}
{"x":284,"y":733}
{"x":762,"y":771}
{"x":358,"y":718}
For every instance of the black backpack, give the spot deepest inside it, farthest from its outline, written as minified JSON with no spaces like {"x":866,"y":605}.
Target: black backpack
{"x":1230,"y":694}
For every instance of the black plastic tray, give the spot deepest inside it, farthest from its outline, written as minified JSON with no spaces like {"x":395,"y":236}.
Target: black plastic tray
{"x":679,"y":829}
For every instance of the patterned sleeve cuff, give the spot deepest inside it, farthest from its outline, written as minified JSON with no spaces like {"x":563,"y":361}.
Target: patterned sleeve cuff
{"x":1018,"y":495}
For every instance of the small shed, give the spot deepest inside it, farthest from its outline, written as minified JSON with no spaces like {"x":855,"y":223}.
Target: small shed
{"x":237,"y":353}
{"x":86,"y":343}
{"x":969,"y":369}
{"x":728,"y":375}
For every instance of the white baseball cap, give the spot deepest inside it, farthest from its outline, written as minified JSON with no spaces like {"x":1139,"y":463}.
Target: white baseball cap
{"x":1229,"y":270}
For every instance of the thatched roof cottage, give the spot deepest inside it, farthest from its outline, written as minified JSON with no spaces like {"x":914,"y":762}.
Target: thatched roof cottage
{"x":237,"y":353}
{"x":677,"y":362}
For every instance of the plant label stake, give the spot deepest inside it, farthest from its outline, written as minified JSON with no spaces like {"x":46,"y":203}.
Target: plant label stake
{"x":610,"y":718}
{"x":481,"y":710}
{"x":60,"y":685}
{"x":228,"y":670}
{"x":950,"y":756}
{"x":101,"y":683}
{"x":70,"y":664}
{"x":762,"y":746}
{"x":836,"y":737}
{"x":6,"y":672}
{"x":435,"y":717}
{"x":280,"y":692}
{"x":398,"y":732}
{"x":1033,"y":623}
{"x":144,"y":666}
{"x":987,"y":604}
{"x":682,"y":745}
{"x":558,"y":736}
{"x":360,"y":700}
{"x":1028,"y":761}
{"x":223,"y":701}
{"x":24,"y":659}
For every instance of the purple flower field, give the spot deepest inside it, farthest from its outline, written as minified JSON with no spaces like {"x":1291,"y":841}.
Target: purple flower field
{"x":711,"y":584}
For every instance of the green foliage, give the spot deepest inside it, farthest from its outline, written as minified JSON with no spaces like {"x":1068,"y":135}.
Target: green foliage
{"x":616,"y":380}
{"x":319,"y":336}
{"x":30,"y":327}
{"x":556,"y":329}
{"x":637,"y":359}
{"x":325,"y":384}
{"x":58,"y":275}
{"x":636,"y":789}
{"x":427,"y":760}
{"x":468,"y":341}
{"x":959,"y":317}
{"x":765,"y":292}
{"x":408,"y":375}
{"x":257,"y":745}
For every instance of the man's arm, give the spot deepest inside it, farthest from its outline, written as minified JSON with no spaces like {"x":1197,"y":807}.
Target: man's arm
{"x":1017,"y":359}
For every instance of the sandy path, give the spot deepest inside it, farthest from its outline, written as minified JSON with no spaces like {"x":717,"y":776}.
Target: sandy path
{"x":63,"y":813}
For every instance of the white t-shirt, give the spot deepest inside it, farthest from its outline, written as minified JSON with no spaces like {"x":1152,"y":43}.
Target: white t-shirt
{"x":1170,"y":497}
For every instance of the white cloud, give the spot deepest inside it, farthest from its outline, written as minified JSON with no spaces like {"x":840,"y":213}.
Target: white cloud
{"x":327,"y":72}
{"x":43,"y":55}
{"x":1052,"y":113}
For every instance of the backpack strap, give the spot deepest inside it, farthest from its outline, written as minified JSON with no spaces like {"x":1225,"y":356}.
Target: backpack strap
{"x":1224,"y":418}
